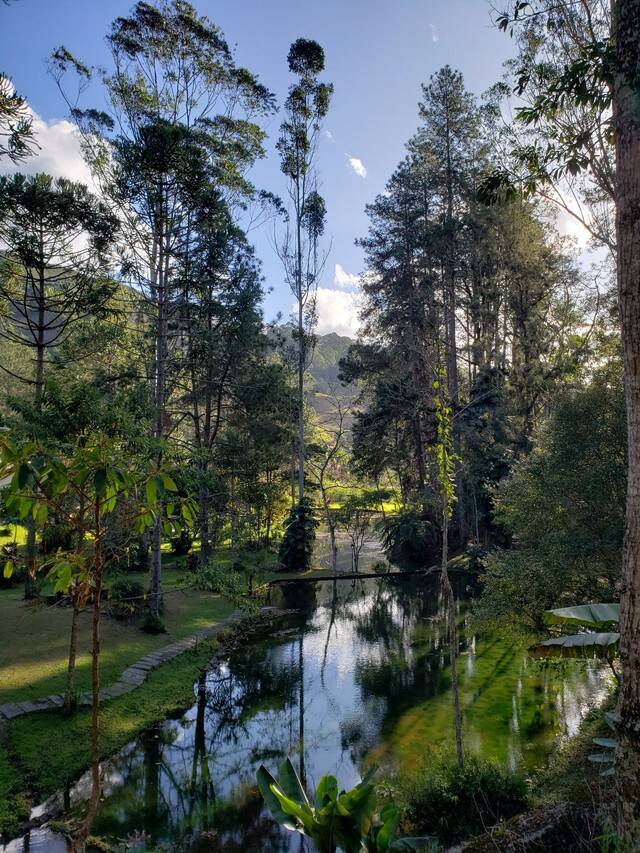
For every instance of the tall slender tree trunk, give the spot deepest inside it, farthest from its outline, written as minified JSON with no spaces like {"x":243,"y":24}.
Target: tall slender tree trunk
{"x":160,"y":273}
{"x":70,"y":689}
{"x":95,"y":668}
{"x":627,"y":122}
{"x":30,"y":585}
{"x":301,"y":363}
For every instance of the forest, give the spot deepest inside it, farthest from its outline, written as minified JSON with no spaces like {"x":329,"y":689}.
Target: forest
{"x":268,"y":586}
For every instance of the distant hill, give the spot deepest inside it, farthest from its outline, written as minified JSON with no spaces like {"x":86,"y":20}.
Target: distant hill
{"x":322,"y":375}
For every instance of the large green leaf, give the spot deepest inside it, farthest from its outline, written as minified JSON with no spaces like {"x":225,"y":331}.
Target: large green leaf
{"x":326,"y":791}
{"x":290,"y":784}
{"x":601,"y":645}
{"x":597,"y":616}
{"x":266,"y":784}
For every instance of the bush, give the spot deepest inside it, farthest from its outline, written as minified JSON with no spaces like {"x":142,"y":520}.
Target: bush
{"x":410,"y":540}
{"x":455,"y":804}
{"x":182,"y":544}
{"x":296,"y":548}
{"x":224,"y":581}
{"x":153,"y":624}
{"x":126,"y":597}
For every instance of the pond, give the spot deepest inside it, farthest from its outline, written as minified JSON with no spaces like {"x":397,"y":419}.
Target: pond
{"x":360,"y":676}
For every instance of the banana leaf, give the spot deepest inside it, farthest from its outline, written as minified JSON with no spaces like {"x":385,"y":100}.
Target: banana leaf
{"x":592,"y":645}
{"x":597,"y":616}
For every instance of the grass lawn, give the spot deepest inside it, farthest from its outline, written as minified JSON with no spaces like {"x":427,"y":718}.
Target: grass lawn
{"x":34,"y":640}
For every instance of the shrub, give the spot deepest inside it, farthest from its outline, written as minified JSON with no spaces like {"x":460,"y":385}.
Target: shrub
{"x":153,"y":624}
{"x":454,"y":804}
{"x":126,"y":597}
{"x":227,"y":582}
{"x":296,"y":547}
{"x":182,"y":544}
{"x":409,"y":540}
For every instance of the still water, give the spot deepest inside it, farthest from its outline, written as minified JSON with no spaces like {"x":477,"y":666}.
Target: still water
{"x":361,"y":675}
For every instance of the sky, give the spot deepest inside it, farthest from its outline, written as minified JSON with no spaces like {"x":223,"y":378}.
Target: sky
{"x":378,"y":53}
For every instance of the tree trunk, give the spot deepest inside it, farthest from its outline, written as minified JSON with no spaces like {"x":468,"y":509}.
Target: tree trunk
{"x":627,"y":122}
{"x":203,"y":526}
{"x":70,"y":690}
{"x":95,"y":670}
{"x":30,"y":586}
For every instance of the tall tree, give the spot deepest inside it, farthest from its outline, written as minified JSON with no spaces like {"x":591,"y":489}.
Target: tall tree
{"x":626,"y":107}
{"x":306,"y":106}
{"x":182,"y":112}
{"x":16,"y":124}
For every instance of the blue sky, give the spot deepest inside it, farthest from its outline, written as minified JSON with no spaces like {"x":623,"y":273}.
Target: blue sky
{"x":378,"y":52}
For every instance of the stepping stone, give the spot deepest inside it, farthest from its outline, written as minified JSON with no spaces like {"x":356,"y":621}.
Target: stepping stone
{"x":11,"y":710}
{"x":120,"y":688}
{"x":32,"y":707}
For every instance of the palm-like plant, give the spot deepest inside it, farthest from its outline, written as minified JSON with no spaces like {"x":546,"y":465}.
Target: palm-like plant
{"x":337,"y":819}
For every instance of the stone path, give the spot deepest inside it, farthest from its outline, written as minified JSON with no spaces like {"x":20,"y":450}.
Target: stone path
{"x":133,"y":676}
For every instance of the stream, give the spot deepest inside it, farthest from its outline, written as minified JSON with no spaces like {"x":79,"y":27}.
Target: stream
{"x":360,"y":675}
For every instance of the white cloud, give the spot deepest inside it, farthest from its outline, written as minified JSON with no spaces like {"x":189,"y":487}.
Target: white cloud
{"x":58,"y":153}
{"x":357,"y":165}
{"x":342,"y":278}
{"x":569,"y":226}
{"x":337,"y":311}
{"x":329,"y":135}
{"x":434,"y":33}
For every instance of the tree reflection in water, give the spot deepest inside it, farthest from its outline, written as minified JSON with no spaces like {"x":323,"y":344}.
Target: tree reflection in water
{"x":361,"y":675}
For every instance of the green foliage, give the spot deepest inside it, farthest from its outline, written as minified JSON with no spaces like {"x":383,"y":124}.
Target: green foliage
{"x":409,"y":539}
{"x":230,"y":583}
{"x":126,"y":597}
{"x":182,"y":543}
{"x":153,"y":624}
{"x":296,"y":547}
{"x":455,"y":803}
{"x":563,"y":508}
{"x":56,"y":537}
{"x":344,"y":819}
{"x":16,"y":131}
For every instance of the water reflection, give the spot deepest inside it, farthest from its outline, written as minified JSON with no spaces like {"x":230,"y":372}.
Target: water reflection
{"x":363,"y":675}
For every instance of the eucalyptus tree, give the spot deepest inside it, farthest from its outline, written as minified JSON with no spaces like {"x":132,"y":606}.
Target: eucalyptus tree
{"x":306,"y":105}
{"x":182,"y":114}
{"x":54,"y":273}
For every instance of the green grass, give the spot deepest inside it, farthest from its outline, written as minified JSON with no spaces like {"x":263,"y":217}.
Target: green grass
{"x":34,"y":638}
